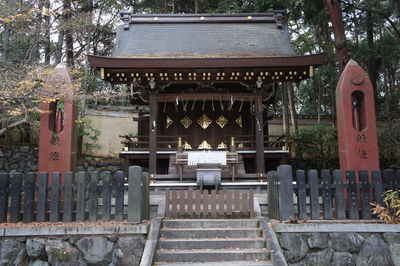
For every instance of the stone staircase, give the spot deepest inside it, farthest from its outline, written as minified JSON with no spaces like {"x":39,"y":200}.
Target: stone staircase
{"x":211,"y":242}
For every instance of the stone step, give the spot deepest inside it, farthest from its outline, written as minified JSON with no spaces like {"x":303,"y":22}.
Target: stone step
{"x":209,"y":223}
{"x":216,"y":243}
{"x":207,"y":255}
{"x":210,"y":232}
{"x":218,"y":263}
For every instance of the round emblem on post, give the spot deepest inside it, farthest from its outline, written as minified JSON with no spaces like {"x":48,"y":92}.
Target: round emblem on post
{"x":357,"y":78}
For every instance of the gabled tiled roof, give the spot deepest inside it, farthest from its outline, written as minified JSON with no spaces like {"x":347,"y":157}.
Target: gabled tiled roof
{"x":202,"y":36}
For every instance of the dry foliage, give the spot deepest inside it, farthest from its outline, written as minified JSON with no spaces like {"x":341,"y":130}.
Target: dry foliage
{"x":390,"y":213}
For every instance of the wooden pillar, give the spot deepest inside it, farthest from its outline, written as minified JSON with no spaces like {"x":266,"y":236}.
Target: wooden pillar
{"x":153,"y":135}
{"x":259,"y":132}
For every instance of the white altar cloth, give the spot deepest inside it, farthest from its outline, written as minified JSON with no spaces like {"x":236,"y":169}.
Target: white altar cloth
{"x":196,"y":157}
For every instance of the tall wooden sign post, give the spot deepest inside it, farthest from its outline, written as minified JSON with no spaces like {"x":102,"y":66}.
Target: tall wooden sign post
{"x":356,"y":122}
{"x":57,"y":140}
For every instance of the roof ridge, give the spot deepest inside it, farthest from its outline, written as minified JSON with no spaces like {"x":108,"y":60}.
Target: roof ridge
{"x":277,"y":17}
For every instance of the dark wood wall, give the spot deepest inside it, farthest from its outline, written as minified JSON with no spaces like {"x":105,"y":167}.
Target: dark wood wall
{"x":213,"y":134}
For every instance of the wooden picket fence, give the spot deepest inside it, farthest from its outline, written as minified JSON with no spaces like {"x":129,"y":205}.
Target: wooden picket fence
{"x":327,"y":195}
{"x":42,"y":197}
{"x":221,"y":204}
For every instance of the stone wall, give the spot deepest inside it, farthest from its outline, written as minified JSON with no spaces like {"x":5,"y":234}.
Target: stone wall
{"x":341,"y":249}
{"x":18,"y":158}
{"x":25,"y":159}
{"x":100,"y":164}
{"x":76,"y":250}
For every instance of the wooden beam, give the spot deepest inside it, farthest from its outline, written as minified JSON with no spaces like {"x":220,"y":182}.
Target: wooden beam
{"x":153,"y":134}
{"x":205,"y":96}
{"x":259,"y":132}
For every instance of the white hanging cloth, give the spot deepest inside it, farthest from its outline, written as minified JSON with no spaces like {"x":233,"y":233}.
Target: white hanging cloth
{"x":196,"y":157}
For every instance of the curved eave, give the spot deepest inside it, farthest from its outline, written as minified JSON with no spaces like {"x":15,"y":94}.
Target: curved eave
{"x":166,"y":63}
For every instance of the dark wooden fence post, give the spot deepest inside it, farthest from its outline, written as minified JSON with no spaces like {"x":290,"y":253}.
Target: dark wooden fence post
{"x":352,"y":195}
{"x":106,"y":212}
{"x":314,"y":194}
{"x":365,"y":195}
{"x":15,"y":205}
{"x":286,"y":203}
{"x":41,"y":215}
{"x":119,"y":196}
{"x":55,"y":198}
{"x":80,"y":196}
{"x":29,"y":193}
{"x":326,"y":194}
{"x":378,"y":187}
{"x":4,"y":179}
{"x":398,"y":179}
{"x":273,"y":195}
{"x":146,"y":196}
{"x":93,"y":198}
{"x":339,"y":195}
{"x":68,"y":196}
{"x":389,"y":179}
{"x":135,"y":194}
{"x":301,"y":194}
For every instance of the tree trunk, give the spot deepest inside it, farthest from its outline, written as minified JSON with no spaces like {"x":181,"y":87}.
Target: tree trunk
{"x":59,"y":50}
{"x":196,"y":6}
{"x":335,"y":15}
{"x":88,"y":41}
{"x":47,"y":41}
{"x":372,"y":67}
{"x":69,"y":41}
{"x":285,"y":113}
{"x":7,"y":32}
{"x":35,"y":56}
{"x":319,"y":96}
{"x":292,"y":108}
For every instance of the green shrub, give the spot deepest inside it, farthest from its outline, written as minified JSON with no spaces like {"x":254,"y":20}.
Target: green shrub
{"x":315,"y":147}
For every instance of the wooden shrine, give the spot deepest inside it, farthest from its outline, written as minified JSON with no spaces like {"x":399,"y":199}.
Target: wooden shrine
{"x":204,"y":83}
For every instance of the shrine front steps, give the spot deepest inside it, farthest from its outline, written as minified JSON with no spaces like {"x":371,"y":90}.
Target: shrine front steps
{"x":211,"y":242}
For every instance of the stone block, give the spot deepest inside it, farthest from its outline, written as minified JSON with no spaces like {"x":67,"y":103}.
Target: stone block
{"x":39,"y":263}
{"x":318,"y":241}
{"x":35,"y":248}
{"x":342,"y":259}
{"x":374,"y":251}
{"x":294,"y":247}
{"x":9,"y":250}
{"x":346,"y":242}
{"x":321,"y":258}
{"x":63,"y":253}
{"x":128,"y":251}
{"x":96,"y":250}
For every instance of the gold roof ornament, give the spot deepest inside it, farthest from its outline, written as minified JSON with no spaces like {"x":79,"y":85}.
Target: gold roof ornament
{"x":187,"y":146}
{"x":239,"y":121}
{"x":204,"y":146}
{"x":222,"y":146}
{"x":169,"y":122}
{"x":204,"y":121}
{"x":186,"y":122}
{"x":222,"y":121}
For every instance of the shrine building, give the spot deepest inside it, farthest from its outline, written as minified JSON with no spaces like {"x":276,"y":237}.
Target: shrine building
{"x":206,"y":81}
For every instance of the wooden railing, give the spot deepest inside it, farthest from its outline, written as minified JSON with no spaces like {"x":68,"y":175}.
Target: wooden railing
{"x":248,"y":142}
{"x":141,"y":142}
{"x":221,"y":204}
{"x":82,"y":197}
{"x":327,"y":195}
{"x":243,"y":142}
